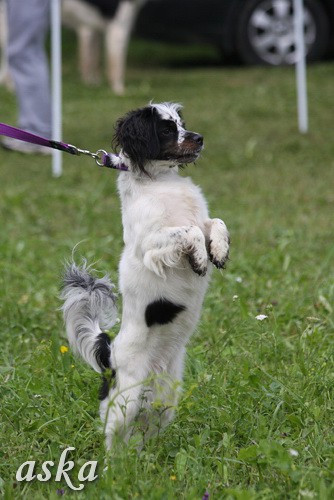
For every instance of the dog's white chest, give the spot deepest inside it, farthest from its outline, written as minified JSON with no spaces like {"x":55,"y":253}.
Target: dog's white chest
{"x":177,"y":202}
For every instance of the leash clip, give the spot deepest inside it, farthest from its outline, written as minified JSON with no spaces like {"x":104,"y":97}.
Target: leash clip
{"x":99,"y":157}
{"x":78,"y":152}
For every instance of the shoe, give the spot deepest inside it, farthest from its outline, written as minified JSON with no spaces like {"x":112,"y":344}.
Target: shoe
{"x":12,"y":144}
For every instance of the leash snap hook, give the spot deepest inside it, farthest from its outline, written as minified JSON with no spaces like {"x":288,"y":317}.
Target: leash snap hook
{"x":99,"y":157}
{"x":78,"y":152}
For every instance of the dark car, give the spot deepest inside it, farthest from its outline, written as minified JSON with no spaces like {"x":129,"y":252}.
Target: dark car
{"x":256,"y":31}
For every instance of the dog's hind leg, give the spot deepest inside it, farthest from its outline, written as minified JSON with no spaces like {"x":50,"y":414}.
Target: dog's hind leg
{"x":117,"y":40}
{"x":120,"y":408}
{"x":89,"y":54}
{"x":167,"y":395}
{"x":159,"y":398}
{"x":145,"y":406}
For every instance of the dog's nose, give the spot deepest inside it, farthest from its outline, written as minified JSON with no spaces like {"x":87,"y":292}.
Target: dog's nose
{"x":197,"y":138}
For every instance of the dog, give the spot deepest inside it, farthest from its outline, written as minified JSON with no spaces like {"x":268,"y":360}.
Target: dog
{"x":114,"y":20}
{"x":91,"y":20}
{"x":170,"y":246}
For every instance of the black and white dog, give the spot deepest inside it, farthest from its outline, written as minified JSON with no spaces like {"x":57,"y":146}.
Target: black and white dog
{"x":170,"y":246}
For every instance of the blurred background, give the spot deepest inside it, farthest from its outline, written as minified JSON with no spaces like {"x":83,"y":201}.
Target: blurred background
{"x":255,"y":419}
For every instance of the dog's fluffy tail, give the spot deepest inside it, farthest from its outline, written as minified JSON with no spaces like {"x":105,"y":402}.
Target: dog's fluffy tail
{"x":89,"y":307}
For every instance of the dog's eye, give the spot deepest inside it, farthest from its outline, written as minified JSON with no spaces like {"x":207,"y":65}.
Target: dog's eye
{"x":167,"y":131}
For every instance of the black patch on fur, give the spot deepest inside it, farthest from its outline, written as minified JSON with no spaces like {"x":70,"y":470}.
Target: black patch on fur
{"x":136,"y":134}
{"x":195,"y":267}
{"x":106,"y":383}
{"x":162,"y":312}
{"x":106,"y":7}
{"x":102,"y":351}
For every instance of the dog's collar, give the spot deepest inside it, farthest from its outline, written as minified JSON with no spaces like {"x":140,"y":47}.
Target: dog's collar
{"x":111,"y":160}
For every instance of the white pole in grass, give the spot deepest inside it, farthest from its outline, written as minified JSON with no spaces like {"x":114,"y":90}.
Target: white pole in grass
{"x":300,"y":66}
{"x":56,"y":84}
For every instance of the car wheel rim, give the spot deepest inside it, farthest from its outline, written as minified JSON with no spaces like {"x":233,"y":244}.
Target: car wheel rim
{"x":271,"y":31}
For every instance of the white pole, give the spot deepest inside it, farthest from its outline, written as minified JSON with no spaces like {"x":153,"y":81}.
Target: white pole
{"x":56,"y":70}
{"x":300,"y":66}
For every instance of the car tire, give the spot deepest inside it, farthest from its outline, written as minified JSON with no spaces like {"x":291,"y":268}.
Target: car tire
{"x":265,"y":32}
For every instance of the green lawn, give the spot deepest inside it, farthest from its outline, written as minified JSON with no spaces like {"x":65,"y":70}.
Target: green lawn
{"x":255,"y":419}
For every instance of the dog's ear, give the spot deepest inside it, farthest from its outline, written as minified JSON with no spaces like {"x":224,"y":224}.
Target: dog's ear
{"x":136,"y":134}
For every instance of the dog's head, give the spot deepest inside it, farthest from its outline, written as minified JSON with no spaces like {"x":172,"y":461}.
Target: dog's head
{"x":156,"y":135}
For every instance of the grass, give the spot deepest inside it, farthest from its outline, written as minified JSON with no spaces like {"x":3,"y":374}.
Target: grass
{"x":255,"y":419}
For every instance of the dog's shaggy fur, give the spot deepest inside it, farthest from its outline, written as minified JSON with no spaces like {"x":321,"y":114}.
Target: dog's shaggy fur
{"x":170,"y":245}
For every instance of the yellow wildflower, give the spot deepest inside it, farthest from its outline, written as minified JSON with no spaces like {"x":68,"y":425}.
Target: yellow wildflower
{"x":63,"y":349}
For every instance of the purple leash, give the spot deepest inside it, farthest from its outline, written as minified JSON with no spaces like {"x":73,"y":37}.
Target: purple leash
{"x":101,"y":157}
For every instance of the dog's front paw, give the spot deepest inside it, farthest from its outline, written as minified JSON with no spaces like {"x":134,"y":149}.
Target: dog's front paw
{"x":219,"y":244}
{"x":154,"y":262}
{"x":197,"y":253}
{"x":199,"y":266}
